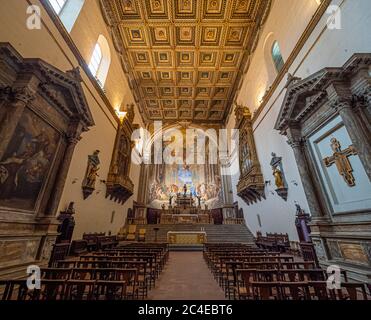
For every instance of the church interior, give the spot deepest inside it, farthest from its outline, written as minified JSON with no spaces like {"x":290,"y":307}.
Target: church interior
{"x":185,"y":150}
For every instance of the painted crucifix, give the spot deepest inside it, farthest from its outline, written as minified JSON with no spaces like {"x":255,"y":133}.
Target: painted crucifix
{"x":340,"y":158}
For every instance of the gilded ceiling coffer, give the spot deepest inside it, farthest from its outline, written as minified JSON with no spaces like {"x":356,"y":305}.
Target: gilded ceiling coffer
{"x":251,"y":183}
{"x":119,"y":186}
{"x":184,"y":64}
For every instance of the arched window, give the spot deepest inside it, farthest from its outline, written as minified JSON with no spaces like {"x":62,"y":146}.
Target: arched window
{"x":100,"y":60}
{"x":277,"y":56}
{"x":57,"y":5}
{"x":68,"y":11}
{"x":96,"y":60}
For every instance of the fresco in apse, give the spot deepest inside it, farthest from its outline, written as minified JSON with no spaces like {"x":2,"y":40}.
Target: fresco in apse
{"x":168,"y":180}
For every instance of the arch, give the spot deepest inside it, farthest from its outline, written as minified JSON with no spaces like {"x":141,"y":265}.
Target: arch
{"x":100,"y":60}
{"x":68,"y":11}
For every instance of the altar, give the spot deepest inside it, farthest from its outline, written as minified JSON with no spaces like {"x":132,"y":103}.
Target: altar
{"x":186,"y":237}
{"x":185,"y":211}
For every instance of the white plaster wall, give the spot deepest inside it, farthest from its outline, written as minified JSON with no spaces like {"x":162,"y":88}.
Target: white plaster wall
{"x":325,"y":48}
{"x":93,"y":214}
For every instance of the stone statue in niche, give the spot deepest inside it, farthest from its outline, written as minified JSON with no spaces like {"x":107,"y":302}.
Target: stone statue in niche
{"x":340,"y":159}
{"x":88,"y":185}
{"x":279,"y":176}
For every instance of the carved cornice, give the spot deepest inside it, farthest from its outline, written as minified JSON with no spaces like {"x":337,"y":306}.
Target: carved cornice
{"x":327,"y":85}
{"x":61,"y":89}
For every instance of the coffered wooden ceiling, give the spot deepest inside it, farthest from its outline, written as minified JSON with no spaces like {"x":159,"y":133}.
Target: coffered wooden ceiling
{"x":185,"y":58}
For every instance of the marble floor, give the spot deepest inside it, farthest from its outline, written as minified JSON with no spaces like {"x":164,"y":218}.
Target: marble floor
{"x":186,"y":277}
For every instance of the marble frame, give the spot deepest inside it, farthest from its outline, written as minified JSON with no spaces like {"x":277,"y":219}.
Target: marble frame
{"x":309,"y":105}
{"x":55,"y":98}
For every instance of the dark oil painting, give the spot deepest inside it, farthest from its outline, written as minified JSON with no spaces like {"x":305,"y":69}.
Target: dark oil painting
{"x":27,"y":162}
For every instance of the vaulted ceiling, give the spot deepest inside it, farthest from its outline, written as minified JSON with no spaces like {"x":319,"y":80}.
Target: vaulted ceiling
{"x":185,"y":58}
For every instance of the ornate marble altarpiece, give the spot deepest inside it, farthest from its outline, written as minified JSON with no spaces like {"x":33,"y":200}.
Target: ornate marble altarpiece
{"x":43,"y":112}
{"x":326,"y":118}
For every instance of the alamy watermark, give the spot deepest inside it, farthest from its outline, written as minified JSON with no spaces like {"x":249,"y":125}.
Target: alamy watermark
{"x":334,"y":20}
{"x":33,"y":20}
{"x":34,"y":277}
{"x":194,"y":146}
{"x":334,"y":277}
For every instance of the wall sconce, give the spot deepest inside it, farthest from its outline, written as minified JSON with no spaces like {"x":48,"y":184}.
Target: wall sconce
{"x":74,"y":180}
{"x":294,"y":182}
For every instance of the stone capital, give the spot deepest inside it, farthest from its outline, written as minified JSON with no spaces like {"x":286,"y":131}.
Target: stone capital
{"x":22,"y":94}
{"x":341,"y":103}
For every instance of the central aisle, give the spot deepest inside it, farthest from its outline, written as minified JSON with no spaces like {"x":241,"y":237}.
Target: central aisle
{"x":186,"y":277}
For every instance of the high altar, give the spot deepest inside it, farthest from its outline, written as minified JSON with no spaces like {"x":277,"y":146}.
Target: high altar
{"x":185,"y":211}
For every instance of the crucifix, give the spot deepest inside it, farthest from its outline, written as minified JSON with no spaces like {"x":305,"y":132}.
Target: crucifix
{"x":340,"y":158}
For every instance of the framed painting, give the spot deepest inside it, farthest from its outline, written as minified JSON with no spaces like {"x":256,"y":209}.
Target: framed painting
{"x":27,"y":162}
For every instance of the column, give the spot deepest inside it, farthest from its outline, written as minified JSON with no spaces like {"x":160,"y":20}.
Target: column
{"x":60,"y":180}
{"x":297,"y":144}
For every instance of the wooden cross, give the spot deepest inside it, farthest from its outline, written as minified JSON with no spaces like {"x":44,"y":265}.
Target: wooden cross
{"x":340,"y":158}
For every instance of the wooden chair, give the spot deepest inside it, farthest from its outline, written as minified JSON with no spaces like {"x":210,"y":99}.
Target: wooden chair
{"x":79,"y":290}
{"x":51,"y":289}
{"x":351,"y":291}
{"x":266,"y":290}
{"x":16,"y":290}
{"x":318,"y":290}
{"x":244,"y":279}
{"x":294,"y":291}
{"x":83,"y":274}
{"x":56,"y":273}
{"x":130,"y":278}
{"x":110,"y":290}
{"x":67,"y":264}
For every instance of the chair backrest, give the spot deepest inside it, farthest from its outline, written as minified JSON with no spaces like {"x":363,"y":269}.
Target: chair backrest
{"x":56,"y":273}
{"x":353,"y":291}
{"x":142,"y":231}
{"x":79,"y":290}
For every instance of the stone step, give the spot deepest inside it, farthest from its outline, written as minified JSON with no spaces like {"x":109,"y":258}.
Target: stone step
{"x":215,"y":233}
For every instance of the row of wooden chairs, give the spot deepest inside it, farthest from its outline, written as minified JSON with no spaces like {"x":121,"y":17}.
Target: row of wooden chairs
{"x":126,"y":272}
{"x":68,"y":290}
{"x":245,"y":272}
